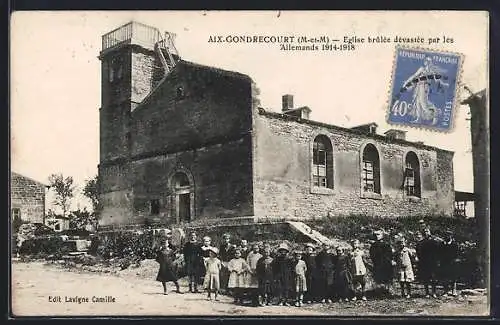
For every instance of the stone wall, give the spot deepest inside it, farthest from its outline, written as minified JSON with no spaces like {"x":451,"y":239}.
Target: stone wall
{"x":283,"y":173}
{"x":203,"y":131}
{"x":194,"y":107}
{"x":28,"y":196}
{"x":221,"y":176}
{"x":114,"y":113}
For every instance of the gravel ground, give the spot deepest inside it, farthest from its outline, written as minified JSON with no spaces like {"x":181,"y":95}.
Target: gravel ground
{"x":36,"y":287}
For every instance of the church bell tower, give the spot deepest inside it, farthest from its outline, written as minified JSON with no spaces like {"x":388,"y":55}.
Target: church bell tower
{"x":134,"y":59}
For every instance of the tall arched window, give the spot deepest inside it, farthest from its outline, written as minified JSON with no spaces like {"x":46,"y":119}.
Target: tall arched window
{"x":412,"y":175}
{"x":370,"y":176}
{"x":322,"y":162}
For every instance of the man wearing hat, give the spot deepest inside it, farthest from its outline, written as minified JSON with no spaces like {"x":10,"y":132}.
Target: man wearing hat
{"x":311,"y":273}
{"x":449,"y":258}
{"x":428,"y":261}
{"x":226,"y":253}
{"x":381,"y":255}
{"x":282,"y":271}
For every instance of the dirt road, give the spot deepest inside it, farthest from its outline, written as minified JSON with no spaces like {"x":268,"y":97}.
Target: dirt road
{"x":39,"y":289}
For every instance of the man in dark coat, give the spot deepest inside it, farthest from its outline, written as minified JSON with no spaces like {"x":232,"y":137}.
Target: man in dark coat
{"x":226,"y":253}
{"x":381,"y":256}
{"x":311,"y":274}
{"x":167,"y":273}
{"x":449,"y":258}
{"x":428,"y":253}
{"x":325,"y":264}
{"x":193,"y":261}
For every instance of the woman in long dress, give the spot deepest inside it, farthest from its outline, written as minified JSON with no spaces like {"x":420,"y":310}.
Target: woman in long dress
{"x":167,"y":273}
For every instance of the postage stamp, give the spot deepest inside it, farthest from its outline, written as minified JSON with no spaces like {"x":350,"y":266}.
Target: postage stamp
{"x":424,"y":88}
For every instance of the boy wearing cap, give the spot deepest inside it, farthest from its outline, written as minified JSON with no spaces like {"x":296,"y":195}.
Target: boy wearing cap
{"x":212,"y":269}
{"x":282,"y":272}
{"x":264,"y":272}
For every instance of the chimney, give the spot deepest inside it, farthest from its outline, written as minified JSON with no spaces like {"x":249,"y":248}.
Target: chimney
{"x":369,"y":128}
{"x":301,"y":112}
{"x":395,"y":134}
{"x":287,"y":102}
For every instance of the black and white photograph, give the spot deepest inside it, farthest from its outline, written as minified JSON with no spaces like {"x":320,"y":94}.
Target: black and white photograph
{"x":244,"y":163}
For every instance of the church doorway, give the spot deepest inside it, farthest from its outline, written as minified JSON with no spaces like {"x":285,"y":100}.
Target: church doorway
{"x":183,"y":197}
{"x":184,"y":208}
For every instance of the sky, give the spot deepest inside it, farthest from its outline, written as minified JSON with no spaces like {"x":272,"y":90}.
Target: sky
{"x":55,"y":74}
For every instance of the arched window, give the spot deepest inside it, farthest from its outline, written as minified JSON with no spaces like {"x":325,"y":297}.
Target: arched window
{"x":412,"y":175}
{"x":371,"y":170}
{"x":181,"y":180}
{"x":322,"y":162}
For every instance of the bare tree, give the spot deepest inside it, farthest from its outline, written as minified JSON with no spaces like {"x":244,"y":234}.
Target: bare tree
{"x":64,"y":189}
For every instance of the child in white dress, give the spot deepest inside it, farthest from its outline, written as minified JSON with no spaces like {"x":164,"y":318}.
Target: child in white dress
{"x":213,"y":266}
{"x":358,"y":263}
{"x":238,"y":269}
{"x":300,"y":269}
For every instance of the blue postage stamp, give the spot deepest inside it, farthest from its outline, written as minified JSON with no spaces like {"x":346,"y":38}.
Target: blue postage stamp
{"x":424,"y":88}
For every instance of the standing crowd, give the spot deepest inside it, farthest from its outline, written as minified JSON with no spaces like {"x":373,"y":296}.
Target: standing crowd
{"x":316,"y":274}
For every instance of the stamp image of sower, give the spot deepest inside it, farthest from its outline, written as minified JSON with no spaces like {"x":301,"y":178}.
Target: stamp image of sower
{"x":424,"y":88}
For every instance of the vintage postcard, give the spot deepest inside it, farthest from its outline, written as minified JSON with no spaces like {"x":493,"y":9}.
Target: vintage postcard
{"x":236,"y":163}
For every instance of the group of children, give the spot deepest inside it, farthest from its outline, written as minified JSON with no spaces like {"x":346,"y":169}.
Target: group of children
{"x":303,"y":276}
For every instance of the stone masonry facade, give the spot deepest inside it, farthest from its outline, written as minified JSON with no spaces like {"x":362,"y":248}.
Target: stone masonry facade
{"x":27,"y":198}
{"x":282,"y":173}
{"x":203,"y":133}
{"x":191,"y":144}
